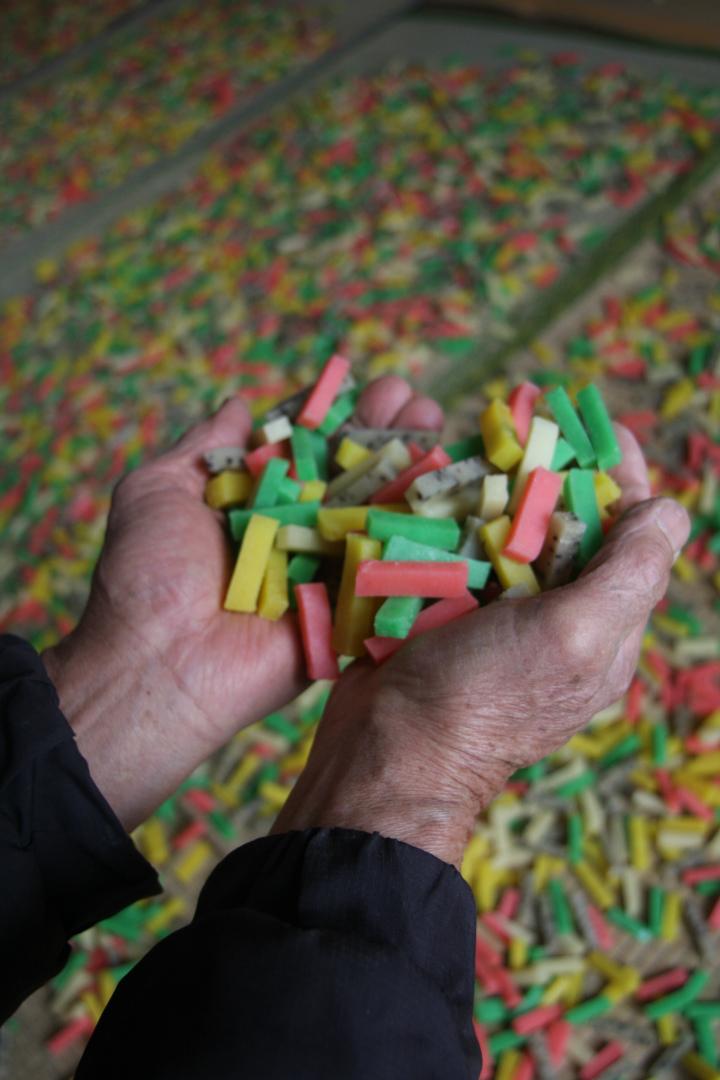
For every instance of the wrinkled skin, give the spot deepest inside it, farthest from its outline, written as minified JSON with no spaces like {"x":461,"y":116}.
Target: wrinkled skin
{"x":418,"y":746}
{"x":157,"y":676}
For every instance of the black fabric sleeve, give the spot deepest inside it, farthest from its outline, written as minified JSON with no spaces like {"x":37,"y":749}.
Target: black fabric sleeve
{"x":327,"y":954}
{"x":65,"y":859}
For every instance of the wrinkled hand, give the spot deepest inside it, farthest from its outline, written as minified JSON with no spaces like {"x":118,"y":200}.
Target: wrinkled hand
{"x":415,"y":748}
{"x":157,"y":676}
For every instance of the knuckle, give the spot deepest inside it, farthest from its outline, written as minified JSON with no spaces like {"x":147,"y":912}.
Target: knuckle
{"x":575,"y":639}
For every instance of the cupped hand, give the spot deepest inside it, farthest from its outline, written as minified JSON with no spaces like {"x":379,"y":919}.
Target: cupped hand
{"x":435,"y":732}
{"x":157,"y":675}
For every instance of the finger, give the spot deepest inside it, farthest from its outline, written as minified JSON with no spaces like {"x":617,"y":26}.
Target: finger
{"x":420,"y":412}
{"x":630,"y":573}
{"x":229,"y":426}
{"x":382,"y":400}
{"x":631,"y":474}
{"x":602,"y":615}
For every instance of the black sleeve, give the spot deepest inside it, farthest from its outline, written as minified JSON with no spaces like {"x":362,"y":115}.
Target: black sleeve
{"x":65,"y":860}
{"x":320,"y":955}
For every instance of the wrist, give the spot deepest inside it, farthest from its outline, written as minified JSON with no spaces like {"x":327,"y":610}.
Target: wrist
{"x":125,"y":708}
{"x":429,"y":822}
{"x":370,"y":770}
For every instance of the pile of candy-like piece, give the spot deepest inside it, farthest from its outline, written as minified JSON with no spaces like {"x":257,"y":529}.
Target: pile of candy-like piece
{"x":411,"y":520}
{"x":246,"y":280}
{"x":141,"y":97}
{"x":251,"y":274}
{"x":34,"y":31}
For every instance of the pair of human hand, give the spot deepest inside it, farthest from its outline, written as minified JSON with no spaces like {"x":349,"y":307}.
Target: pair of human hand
{"x":157,"y":676}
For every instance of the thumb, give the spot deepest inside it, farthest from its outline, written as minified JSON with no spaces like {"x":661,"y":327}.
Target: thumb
{"x":229,"y":426}
{"x":632,"y":569}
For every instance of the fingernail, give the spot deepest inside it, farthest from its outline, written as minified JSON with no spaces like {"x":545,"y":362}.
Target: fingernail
{"x":673,"y":519}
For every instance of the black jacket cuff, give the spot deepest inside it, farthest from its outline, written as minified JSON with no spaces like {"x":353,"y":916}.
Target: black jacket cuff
{"x":315,"y":955}
{"x":68,"y":859}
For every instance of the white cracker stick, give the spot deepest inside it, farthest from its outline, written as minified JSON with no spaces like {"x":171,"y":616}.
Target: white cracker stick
{"x":557,"y":560}
{"x":274,"y":431}
{"x":354,"y":487}
{"x":447,"y":481}
{"x":459,"y":505}
{"x":225,"y":457}
{"x":346,"y":479}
